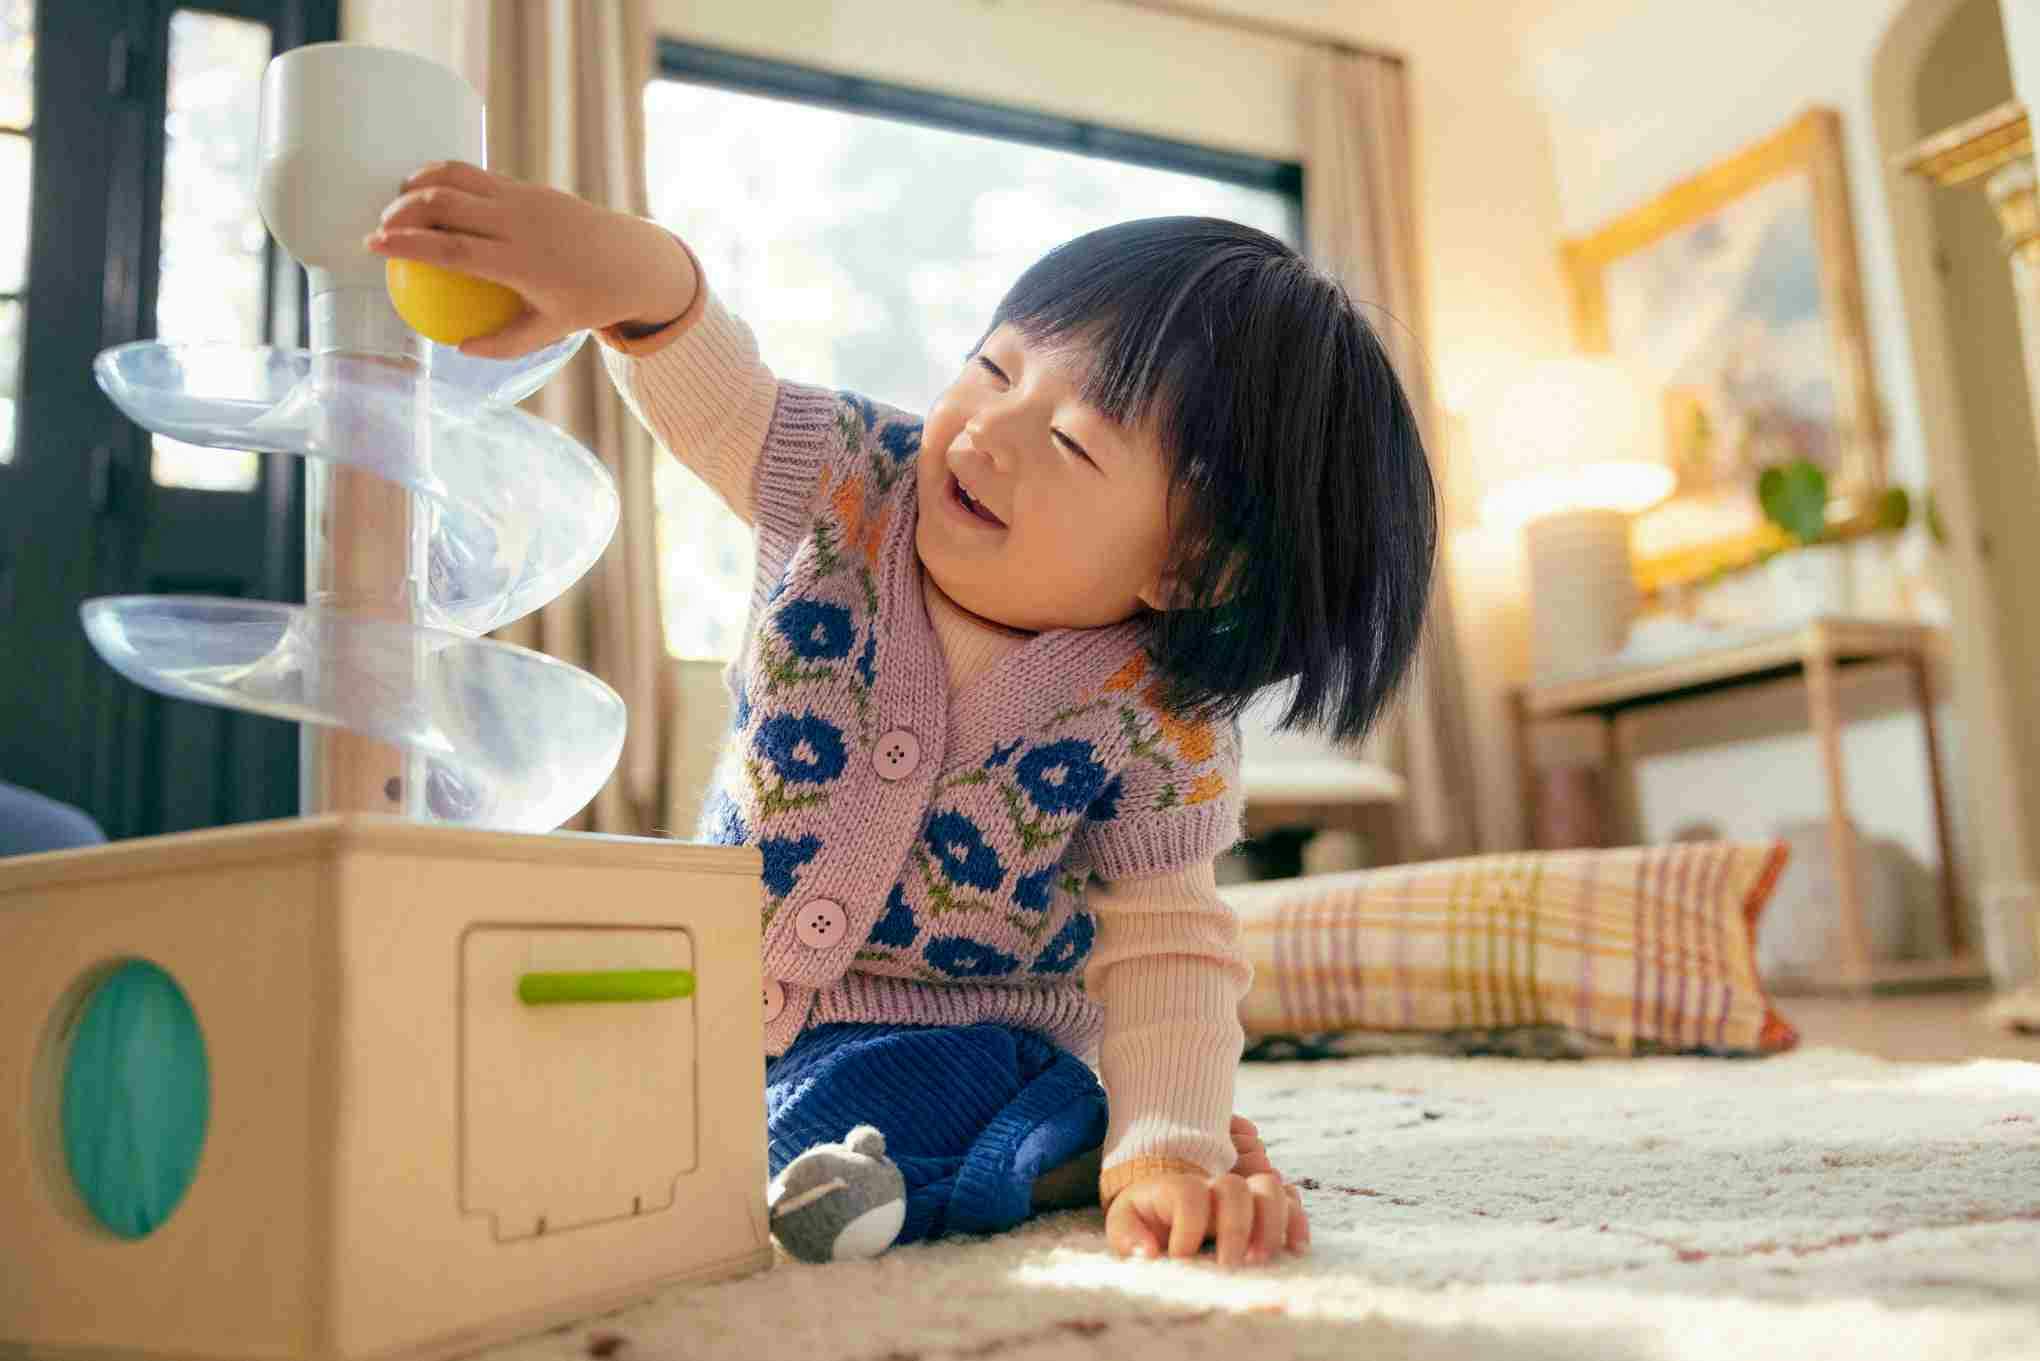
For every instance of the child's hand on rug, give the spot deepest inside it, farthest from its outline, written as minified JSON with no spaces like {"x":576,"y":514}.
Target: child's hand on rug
{"x":1246,"y":1218}
{"x":1250,"y":1212}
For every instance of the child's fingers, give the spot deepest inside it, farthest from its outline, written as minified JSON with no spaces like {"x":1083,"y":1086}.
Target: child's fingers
{"x":528,"y":331}
{"x":1235,"y":1203}
{"x":1252,"y":1161}
{"x":1271,"y":1217}
{"x":477,"y":255}
{"x":1250,"y":1155}
{"x":1191,"y":1224}
{"x":454,"y":175}
{"x":446,"y":208}
{"x":1138,"y":1240}
{"x":1299,"y":1221}
{"x":1127,"y":1232}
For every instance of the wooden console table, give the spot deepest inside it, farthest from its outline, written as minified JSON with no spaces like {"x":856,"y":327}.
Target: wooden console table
{"x":1334,"y":793}
{"x":1815,"y":652}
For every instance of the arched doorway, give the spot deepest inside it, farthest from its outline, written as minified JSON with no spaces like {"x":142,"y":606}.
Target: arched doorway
{"x":1943,"y":61}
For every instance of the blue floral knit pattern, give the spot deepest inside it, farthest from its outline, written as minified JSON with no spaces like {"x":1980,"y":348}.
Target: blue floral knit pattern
{"x":973,"y":873}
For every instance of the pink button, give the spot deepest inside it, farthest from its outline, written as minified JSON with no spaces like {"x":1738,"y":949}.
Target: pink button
{"x":821,"y":924}
{"x":775,"y":1000}
{"x":899,"y":751}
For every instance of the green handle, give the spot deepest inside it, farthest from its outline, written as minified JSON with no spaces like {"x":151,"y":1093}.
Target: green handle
{"x":609,"y":985}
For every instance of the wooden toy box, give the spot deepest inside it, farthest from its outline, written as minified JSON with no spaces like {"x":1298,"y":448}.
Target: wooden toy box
{"x":403,"y":1155}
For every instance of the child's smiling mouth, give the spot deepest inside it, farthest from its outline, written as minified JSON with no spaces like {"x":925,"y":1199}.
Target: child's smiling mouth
{"x":970,"y":505}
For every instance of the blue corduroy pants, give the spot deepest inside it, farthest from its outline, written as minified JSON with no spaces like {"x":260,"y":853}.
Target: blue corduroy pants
{"x":971,"y":1114}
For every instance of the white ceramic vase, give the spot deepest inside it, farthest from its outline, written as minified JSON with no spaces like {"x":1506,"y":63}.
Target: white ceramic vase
{"x":1812,"y":581}
{"x":1879,"y":581}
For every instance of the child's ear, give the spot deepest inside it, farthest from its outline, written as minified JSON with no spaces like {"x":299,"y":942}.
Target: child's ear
{"x":1170,"y":592}
{"x":1164,"y":593}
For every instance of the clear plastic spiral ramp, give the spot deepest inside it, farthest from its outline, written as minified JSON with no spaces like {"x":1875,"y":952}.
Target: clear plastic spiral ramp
{"x":413,"y":1072}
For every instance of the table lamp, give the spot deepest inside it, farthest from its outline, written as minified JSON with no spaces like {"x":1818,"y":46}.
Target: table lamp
{"x":1580,"y":444}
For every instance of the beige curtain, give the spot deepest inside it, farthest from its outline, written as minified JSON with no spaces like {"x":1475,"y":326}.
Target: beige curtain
{"x":564,"y":82}
{"x":1360,"y":217}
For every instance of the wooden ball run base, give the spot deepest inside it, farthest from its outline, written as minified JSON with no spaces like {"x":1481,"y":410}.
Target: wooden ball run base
{"x":403,"y":1156}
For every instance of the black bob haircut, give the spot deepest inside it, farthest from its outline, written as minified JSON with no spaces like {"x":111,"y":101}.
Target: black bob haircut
{"x":1305,"y":520}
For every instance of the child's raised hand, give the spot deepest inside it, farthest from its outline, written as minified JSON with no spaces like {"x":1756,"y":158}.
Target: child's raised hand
{"x":577,"y":266}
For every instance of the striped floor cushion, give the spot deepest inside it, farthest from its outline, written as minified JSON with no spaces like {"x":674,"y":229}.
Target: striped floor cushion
{"x":1641,"y":950}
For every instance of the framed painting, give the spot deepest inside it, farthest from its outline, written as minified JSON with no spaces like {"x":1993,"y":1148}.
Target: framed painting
{"x":1736,"y":295}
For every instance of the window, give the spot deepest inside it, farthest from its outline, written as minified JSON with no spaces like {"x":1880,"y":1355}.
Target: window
{"x":867,"y":251}
{"x":214,"y":258}
{"x":17,"y":113}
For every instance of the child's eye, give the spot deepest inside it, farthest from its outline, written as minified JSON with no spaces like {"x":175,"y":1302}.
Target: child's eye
{"x":1073,"y":447}
{"x":992,"y":368}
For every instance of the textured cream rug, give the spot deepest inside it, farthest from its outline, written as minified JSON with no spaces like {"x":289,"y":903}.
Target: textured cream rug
{"x":1818,"y":1205}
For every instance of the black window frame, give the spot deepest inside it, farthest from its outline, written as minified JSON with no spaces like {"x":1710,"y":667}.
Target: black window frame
{"x":75,"y":501}
{"x":25,"y":131}
{"x":743,"y":73}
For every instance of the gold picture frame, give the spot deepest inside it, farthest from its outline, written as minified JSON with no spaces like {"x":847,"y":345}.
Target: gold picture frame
{"x":1738,"y":290}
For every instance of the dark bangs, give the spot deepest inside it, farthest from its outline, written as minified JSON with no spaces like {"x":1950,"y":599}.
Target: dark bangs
{"x":1305,"y":520}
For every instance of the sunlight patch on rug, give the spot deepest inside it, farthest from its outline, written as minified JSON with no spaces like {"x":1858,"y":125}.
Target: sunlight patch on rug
{"x":1816,"y":1205}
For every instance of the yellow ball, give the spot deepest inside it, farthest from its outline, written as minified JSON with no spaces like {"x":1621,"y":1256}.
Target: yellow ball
{"x":442,"y":305}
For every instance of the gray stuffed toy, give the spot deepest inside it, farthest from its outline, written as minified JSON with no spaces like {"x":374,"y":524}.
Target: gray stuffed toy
{"x":839,"y":1202}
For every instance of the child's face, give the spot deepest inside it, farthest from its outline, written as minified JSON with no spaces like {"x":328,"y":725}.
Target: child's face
{"x":1069,"y":527}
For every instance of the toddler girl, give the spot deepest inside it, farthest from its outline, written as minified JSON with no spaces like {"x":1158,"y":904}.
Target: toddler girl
{"x":985,"y":734}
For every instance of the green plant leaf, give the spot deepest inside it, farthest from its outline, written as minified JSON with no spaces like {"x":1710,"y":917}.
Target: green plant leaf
{"x":1794,"y":496}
